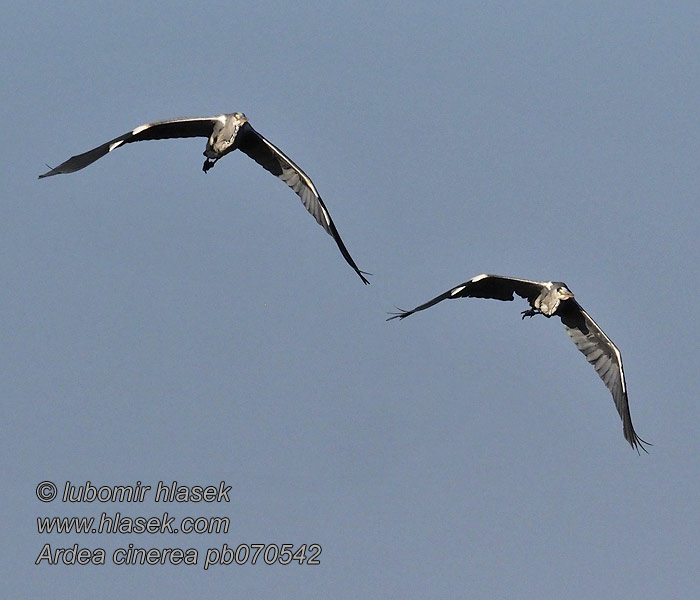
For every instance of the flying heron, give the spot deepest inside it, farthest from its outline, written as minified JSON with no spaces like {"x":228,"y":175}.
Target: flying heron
{"x":553,"y":298}
{"x":225,"y":134}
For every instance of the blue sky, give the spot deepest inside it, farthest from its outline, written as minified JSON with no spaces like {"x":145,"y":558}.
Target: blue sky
{"x":162,"y":324}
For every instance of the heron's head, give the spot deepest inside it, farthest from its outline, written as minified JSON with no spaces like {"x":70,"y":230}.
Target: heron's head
{"x":564,"y":293}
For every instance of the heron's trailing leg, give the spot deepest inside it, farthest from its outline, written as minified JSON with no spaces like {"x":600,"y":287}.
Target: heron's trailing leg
{"x":208,"y":164}
{"x":530,"y":313}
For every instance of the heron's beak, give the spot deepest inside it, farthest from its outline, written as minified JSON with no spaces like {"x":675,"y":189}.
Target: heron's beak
{"x":567,"y":295}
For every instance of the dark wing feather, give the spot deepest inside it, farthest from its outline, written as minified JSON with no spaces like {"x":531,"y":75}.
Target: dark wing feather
{"x":605,"y":358}
{"x":498,"y":287}
{"x":493,"y":287}
{"x":402,"y":314}
{"x":160,"y":130}
{"x":276,"y":162}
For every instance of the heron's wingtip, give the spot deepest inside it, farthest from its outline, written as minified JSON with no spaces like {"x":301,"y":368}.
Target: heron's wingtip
{"x":402,"y":314}
{"x":638,"y":443}
{"x":51,"y":171}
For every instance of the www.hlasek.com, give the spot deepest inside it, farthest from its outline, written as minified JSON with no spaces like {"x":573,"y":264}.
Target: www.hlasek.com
{"x":131,"y":554}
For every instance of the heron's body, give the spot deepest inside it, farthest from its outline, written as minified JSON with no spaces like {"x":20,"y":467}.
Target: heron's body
{"x":550,"y":298}
{"x":553,"y":298}
{"x":225,"y":133}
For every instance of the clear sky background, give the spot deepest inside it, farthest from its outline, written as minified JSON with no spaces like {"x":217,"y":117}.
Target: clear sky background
{"x":158,"y":323}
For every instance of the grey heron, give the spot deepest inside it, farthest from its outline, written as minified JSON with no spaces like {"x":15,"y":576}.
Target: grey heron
{"x":553,"y":298}
{"x":225,"y":134}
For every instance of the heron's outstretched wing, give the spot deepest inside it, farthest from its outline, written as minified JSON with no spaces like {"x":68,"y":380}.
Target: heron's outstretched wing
{"x":160,"y":130}
{"x":605,"y":358}
{"x":276,"y":162}
{"x":495,"y":287}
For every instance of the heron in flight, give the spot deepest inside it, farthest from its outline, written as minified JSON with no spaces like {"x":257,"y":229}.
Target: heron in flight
{"x":553,"y":298}
{"x":225,"y":134}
